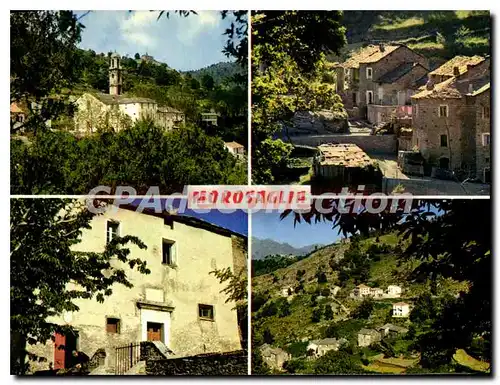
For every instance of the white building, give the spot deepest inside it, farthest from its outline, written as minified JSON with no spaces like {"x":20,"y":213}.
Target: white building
{"x":321,"y":347}
{"x":179,"y":305}
{"x":235,"y":148}
{"x":401,"y":310}
{"x":394,"y":291}
{"x":115,"y":112}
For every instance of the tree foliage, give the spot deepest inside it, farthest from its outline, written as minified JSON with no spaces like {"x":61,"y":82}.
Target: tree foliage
{"x":288,"y":50}
{"x":48,"y":276}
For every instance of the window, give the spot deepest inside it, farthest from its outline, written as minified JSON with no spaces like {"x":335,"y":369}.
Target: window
{"x":168,"y":252}
{"x":486,"y":139}
{"x":354,"y":99}
{"x":113,"y":325}
{"x":112,"y":230}
{"x":444,"y":141}
{"x":369,"y":72}
{"x":206,"y":312}
{"x":443,"y":111}
{"x":369,"y":97}
{"x":486,"y":112}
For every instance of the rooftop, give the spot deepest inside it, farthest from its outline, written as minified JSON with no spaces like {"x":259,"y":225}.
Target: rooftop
{"x":347,"y":155}
{"x":168,"y":109}
{"x":368,"y":332}
{"x":398,"y":72}
{"x":447,"y":69}
{"x":121,"y":99}
{"x":234,"y":145}
{"x":395,"y":328}
{"x":326,"y":341}
{"x":400,"y":304}
{"x":369,"y":54}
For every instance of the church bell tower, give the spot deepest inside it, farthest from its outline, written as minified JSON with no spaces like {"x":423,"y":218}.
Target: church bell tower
{"x":115,"y":75}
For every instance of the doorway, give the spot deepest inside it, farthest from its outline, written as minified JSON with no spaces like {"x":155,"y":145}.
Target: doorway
{"x":155,"y":331}
{"x":63,"y":349}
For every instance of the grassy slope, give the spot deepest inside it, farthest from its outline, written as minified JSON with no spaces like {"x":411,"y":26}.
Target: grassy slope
{"x":298,"y":325}
{"x":427,"y":32}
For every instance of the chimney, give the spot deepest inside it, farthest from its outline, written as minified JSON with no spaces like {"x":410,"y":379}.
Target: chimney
{"x":429,"y":85}
{"x":456,"y":71}
{"x":381,"y":46}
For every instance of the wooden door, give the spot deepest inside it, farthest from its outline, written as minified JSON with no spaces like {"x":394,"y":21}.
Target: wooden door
{"x":155,"y":331}
{"x":59,"y":351}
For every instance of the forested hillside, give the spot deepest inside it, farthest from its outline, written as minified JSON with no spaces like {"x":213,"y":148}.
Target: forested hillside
{"x":219,"y":72}
{"x":438,"y":35}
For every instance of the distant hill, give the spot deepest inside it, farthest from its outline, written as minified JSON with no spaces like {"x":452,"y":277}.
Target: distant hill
{"x":264,"y":247}
{"x":438,"y":35}
{"x":218,"y":71}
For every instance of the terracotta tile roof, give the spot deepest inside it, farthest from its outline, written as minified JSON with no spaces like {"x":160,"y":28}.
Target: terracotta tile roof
{"x":398,"y":72}
{"x":347,"y":155}
{"x":369,"y":54}
{"x":455,"y":88}
{"x":14,"y":108}
{"x":447,"y":69}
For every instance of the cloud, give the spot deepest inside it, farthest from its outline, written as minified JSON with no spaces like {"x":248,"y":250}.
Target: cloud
{"x":138,"y":28}
{"x":204,"y":21}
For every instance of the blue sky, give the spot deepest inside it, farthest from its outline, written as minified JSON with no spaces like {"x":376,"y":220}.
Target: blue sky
{"x":184,"y":43}
{"x":269,"y":225}
{"x":236,"y":220}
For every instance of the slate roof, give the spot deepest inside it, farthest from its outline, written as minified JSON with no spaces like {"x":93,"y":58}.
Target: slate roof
{"x":395,"y":328}
{"x":369,"y":54}
{"x":347,"y":155}
{"x":325,"y":341}
{"x":447,"y":69}
{"x":397,"y":73}
{"x":121,"y":99}
{"x":455,"y":88}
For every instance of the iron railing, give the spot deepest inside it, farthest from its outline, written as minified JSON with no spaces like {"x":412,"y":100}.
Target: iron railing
{"x":126,"y":357}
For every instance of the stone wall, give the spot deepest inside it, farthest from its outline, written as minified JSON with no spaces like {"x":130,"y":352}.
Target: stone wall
{"x":483,"y":125}
{"x":375,"y":144}
{"x":225,"y":364}
{"x":428,"y":186}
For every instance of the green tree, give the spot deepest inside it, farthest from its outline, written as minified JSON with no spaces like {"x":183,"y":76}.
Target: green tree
{"x":337,"y":362}
{"x":364,"y":309}
{"x":43,"y":61}
{"x":137,"y":56}
{"x":287,"y":54}
{"x":47,"y":276}
{"x":207,"y":82}
{"x":328,"y":313}
{"x":316,"y":315}
{"x":268,"y":336}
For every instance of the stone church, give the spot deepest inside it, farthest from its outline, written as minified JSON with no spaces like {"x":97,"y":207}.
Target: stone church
{"x":97,"y":112}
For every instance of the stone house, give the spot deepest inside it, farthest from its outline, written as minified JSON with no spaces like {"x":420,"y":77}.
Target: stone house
{"x":274,"y":357}
{"x":115,"y":112}
{"x":287,"y":291}
{"x":394,"y":291}
{"x":17,"y":115}
{"x":376,"y":292}
{"x":366,"y":337}
{"x":451,"y":122}
{"x":391,"y":330}
{"x":179,"y":305}
{"x":377,"y":81}
{"x":210,"y":118}
{"x":400,"y":310}
{"x":321,"y":347}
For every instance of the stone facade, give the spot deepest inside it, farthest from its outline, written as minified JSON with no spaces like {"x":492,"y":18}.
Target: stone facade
{"x":449,"y":121}
{"x":379,"y":74}
{"x":170,"y":296}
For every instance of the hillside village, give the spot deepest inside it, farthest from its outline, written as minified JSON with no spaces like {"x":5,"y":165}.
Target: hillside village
{"x":349,"y":297}
{"x":412,"y":119}
{"x":73,"y":108}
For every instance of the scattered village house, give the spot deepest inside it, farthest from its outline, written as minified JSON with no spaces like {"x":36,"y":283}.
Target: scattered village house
{"x":287,"y":291}
{"x":19,"y":113}
{"x":321,"y":347}
{"x":235,"y":148}
{"x":394,"y":291}
{"x":378,"y":81}
{"x":451,"y":120}
{"x":98,"y":111}
{"x":274,"y":357}
{"x":400,"y":310}
{"x":179,"y":305}
{"x":361,"y":291}
{"x":366,"y":337}
{"x":210,"y":117}
{"x":391,"y":330}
